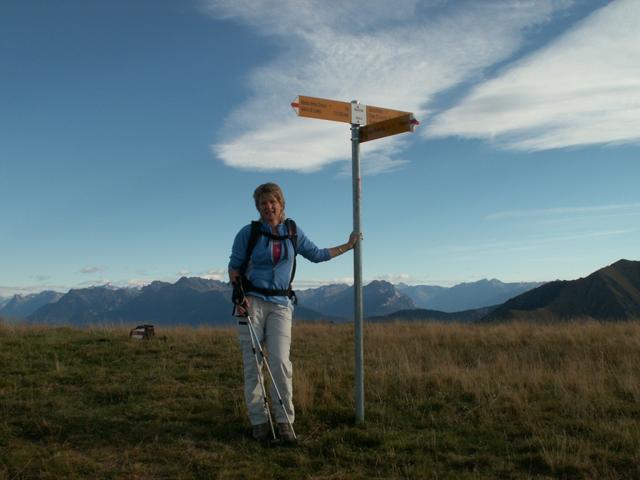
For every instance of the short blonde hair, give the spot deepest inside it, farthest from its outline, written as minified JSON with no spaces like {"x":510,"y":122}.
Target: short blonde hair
{"x":269,"y":189}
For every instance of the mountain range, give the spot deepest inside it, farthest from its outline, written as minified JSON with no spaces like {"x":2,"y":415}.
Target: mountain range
{"x":464,"y":296}
{"x":21,"y":306}
{"x":189,"y":301}
{"x":195,"y":301}
{"x":610,"y":293}
{"x":379,"y":298}
{"x":198,"y":301}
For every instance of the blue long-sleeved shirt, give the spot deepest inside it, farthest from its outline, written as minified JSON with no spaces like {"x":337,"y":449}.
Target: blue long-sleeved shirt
{"x":262,"y":271}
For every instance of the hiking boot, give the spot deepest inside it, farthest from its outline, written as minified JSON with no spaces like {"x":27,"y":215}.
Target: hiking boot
{"x":260,"y":432}
{"x":285,"y":431}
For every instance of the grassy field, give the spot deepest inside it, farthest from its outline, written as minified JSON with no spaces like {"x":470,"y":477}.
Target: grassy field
{"x":442,"y":401}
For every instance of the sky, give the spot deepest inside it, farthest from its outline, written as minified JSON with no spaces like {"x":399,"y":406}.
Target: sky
{"x":132,"y":136}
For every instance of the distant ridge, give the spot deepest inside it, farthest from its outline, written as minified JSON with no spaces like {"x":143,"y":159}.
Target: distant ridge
{"x":380,"y":298}
{"x":424,"y":315}
{"x":611,"y":293}
{"x":84,"y":306}
{"x":190,"y":301}
{"x":21,"y":306}
{"x":465,"y":296}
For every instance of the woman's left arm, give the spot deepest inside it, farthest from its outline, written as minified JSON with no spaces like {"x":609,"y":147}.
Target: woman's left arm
{"x":345,"y":247}
{"x":311,"y":252}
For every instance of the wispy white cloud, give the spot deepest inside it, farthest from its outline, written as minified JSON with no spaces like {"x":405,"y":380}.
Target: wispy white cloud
{"x":216,"y":274}
{"x":10,"y":290}
{"x":582,"y":89}
{"x":303,"y":284}
{"x":465,"y":252}
{"x":103,"y":282}
{"x":41,"y":278}
{"x":93,"y":269}
{"x":398,"y":278}
{"x":606,"y":233}
{"x":390,"y":54}
{"x":114,"y":284}
{"x":596,"y":209}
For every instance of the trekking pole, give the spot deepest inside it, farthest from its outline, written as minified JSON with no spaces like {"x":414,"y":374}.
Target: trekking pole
{"x":265,"y":402}
{"x":273,"y":382}
{"x":239,"y":299}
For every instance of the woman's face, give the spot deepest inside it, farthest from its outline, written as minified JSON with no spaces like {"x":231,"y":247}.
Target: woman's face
{"x":270,"y":209}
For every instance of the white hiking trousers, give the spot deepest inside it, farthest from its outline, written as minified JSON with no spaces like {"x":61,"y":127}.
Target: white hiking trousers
{"x":272,"y":323}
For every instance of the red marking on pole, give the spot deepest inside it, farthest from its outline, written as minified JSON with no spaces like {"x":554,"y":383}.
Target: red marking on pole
{"x":295,"y":104}
{"x":414,"y":122}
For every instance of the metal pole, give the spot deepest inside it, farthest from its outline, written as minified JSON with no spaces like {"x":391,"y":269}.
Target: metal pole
{"x":357,"y":270}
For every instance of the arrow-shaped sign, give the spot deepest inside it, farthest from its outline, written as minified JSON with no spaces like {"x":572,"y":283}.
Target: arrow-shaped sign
{"x":322,"y":108}
{"x":392,"y":126}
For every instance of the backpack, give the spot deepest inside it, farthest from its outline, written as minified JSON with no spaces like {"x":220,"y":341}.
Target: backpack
{"x":254,"y":236}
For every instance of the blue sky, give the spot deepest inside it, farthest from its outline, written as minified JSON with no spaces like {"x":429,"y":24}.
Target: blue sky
{"x":132,"y":135}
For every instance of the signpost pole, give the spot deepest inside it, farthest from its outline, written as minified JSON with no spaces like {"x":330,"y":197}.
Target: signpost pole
{"x":357,"y":271}
{"x":367,"y":123}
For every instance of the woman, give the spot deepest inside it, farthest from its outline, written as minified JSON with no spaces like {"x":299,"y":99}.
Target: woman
{"x":268,"y":276}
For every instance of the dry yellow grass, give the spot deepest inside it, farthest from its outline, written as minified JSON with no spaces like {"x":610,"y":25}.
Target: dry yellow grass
{"x":577,"y":359}
{"x":563,"y":388}
{"x":442,"y":401}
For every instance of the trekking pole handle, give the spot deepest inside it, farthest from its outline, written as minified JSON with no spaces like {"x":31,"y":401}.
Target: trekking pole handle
{"x":239,"y":299}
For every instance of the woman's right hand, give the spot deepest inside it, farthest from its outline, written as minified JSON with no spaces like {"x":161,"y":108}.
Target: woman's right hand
{"x":242,"y":309}
{"x":234,"y":276}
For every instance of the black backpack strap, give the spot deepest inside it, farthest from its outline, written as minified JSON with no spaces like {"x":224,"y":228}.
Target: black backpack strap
{"x":293,"y":235}
{"x":256,"y":228}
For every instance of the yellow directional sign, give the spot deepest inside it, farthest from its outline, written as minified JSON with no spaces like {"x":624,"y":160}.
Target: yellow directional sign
{"x":322,"y":108}
{"x":392,"y":126}
{"x":337,"y":111}
{"x":377,"y":114}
